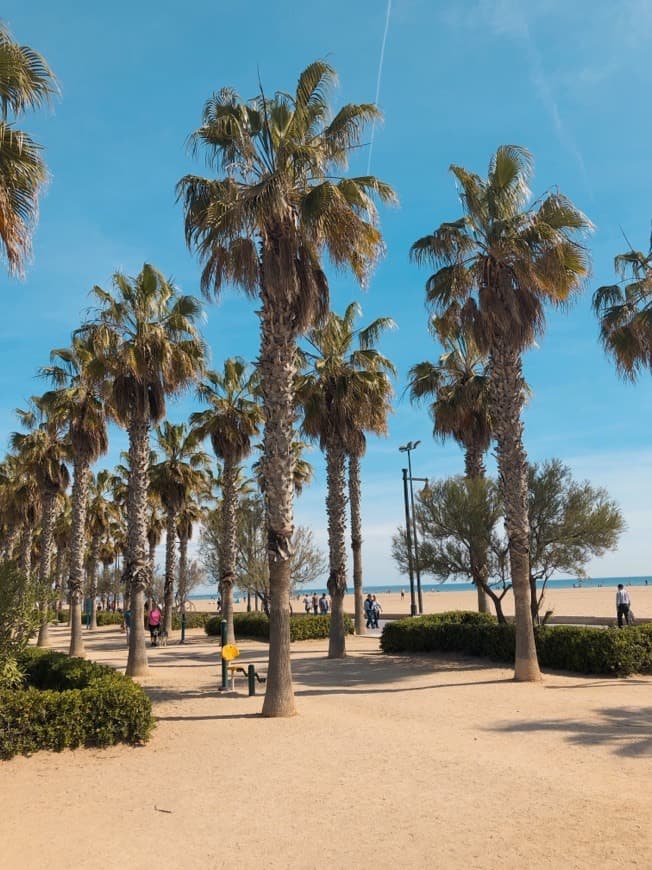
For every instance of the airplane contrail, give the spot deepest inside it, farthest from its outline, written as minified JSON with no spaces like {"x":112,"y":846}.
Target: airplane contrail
{"x":380,"y":73}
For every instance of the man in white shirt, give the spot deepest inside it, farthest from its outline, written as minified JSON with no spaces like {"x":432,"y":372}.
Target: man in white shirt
{"x":622,"y":605}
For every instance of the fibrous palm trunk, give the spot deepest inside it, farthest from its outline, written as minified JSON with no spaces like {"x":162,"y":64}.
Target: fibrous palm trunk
{"x":93,"y":557}
{"x":356,"y":541}
{"x":77,"y":545}
{"x":474,"y":469}
{"x":26,"y":541}
{"x":48,"y":500}
{"x":278,"y":369}
{"x":183,"y":571}
{"x":336,"y":512}
{"x":229,"y":546}
{"x":136,"y":572}
{"x":507,"y":401}
{"x":170,"y":567}
{"x":9,"y":544}
{"x":60,"y":578}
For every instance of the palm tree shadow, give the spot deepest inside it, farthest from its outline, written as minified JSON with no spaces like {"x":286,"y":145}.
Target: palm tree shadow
{"x":626,"y":731}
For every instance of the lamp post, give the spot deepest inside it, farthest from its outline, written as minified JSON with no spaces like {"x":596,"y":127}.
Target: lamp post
{"x":408,"y":448}
{"x":408,"y":538}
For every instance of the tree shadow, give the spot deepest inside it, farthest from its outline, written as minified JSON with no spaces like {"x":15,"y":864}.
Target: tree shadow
{"x":627,"y":731}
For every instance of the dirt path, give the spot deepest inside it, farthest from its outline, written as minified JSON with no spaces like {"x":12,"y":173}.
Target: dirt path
{"x":391,"y":763}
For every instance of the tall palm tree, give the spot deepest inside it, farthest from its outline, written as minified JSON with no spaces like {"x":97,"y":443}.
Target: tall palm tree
{"x":190,"y":514}
{"x":26,"y":82}
{"x":458,"y":385}
{"x":101,"y":516}
{"x":77,"y":405}
{"x":146,"y":348}
{"x":43,"y":448}
{"x":155,"y":529}
{"x":231,"y":422}
{"x":181,"y":471}
{"x":278,"y":204}
{"x":625,"y":312}
{"x":344,"y":393}
{"x":496,"y":267}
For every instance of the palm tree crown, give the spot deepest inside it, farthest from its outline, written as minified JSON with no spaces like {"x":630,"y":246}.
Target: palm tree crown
{"x":26,"y":82}
{"x":625,"y":312}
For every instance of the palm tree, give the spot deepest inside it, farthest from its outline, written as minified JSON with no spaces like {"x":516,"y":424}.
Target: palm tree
{"x":43,"y":448}
{"x":625,"y":312}
{"x":180,"y":472}
{"x":458,"y":385}
{"x":232,"y":420}
{"x":191,"y":513}
{"x":101,"y":515}
{"x":278,"y":204}
{"x":76,"y":403}
{"x":496,"y":268}
{"x":155,"y":529}
{"x":343,"y":393}
{"x":146,"y":348}
{"x":26,"y":81}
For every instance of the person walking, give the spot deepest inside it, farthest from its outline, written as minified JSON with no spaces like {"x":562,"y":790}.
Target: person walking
{"x":154,"y":623}
{"x":315,"y":603}
{"x":306,"y":604}
{"x":375,"y":611}
{"x":324,"y":606}
{"x":369,"y":610}
{"x":623,"y":604}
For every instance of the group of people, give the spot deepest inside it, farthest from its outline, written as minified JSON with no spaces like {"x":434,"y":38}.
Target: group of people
{"x":316,"y":604}
{"x":372,"y":610}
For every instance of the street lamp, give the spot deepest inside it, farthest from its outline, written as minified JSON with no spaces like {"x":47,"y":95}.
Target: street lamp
{"x":408,"y":448}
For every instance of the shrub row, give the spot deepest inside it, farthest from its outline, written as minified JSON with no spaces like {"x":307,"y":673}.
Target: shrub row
{"x":256,"y":624}
{"x":194,"y":619}
{"x":102,"y":617}
{"x":565,"y":647}
{"x":70,"y":702}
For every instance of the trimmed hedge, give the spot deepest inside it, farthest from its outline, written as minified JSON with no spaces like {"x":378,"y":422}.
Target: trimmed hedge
{"x":194,"y":619}
{"x":71,"y":702}
{"x":256,"y":624}
{"x":102,"y":617}
{"x":566,"y":647}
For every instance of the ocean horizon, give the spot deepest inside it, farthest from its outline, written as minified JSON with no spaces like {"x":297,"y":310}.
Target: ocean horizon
{"x":389,"y":588}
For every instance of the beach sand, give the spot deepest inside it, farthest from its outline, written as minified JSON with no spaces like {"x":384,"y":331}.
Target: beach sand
{"x":391,"y":762}
{"x":585,"y":602}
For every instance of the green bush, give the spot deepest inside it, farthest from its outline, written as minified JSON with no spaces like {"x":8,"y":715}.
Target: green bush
{"x":565,"y":647}
{"x":69,"y":703}
{"x":256,"y":624}
{"x":194,"y":619}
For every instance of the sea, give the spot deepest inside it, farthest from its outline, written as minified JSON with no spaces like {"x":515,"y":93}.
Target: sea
{"x":389,"y":588}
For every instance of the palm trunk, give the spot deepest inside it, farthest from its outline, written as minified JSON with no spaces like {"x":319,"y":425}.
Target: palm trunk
{"x":507,"y":401}
{"x":93,"y":557}
{"x":170,"y":568}
{"x":183,"y":571}
{"x":26,"y":541}
{"x":80,"y":481}
{"x":336,"y":512}
{"x":9,"y":544}
{"x":278,"y":369}
{"x":229,"y":544}
{"x":474,"y":470}
{"x":136,"y":572}
{"x":59,"y":573}
{"x":47,"y":537}
{"x":355,"y":502}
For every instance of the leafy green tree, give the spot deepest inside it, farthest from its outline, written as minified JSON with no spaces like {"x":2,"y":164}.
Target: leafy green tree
{"x":344,"y":392}
{"x":147,"y":348}
{"x":19,"y":621}
{"x":233,"y":419}
{"x":496,"y":268}
{"x":279,"y":203}
{"x":456,"y":517}
{"x":458,"y":385}
{"x":570,"y":523}
{"x":179,"y":474}
{"x":26,"y":82}
{"x":77,"y":405}
{"x":625,"y":313}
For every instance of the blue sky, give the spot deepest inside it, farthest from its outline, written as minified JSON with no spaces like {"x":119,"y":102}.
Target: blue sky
{"x":569,"y":81}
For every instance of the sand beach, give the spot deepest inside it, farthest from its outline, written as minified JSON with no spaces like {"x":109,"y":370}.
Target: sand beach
{"x":391,"y":762}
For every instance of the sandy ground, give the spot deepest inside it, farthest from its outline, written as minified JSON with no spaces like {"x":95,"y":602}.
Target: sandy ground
{"x":563,"y":602}
{"x":391,"y":762}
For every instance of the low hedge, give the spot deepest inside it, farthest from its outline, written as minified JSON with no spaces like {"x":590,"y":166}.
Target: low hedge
{"x":71,"y":702}
{"x":102,"y":617}
{"x":256,"y":624}
{"x":194,"y":619}
{"x":566,"y":647}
